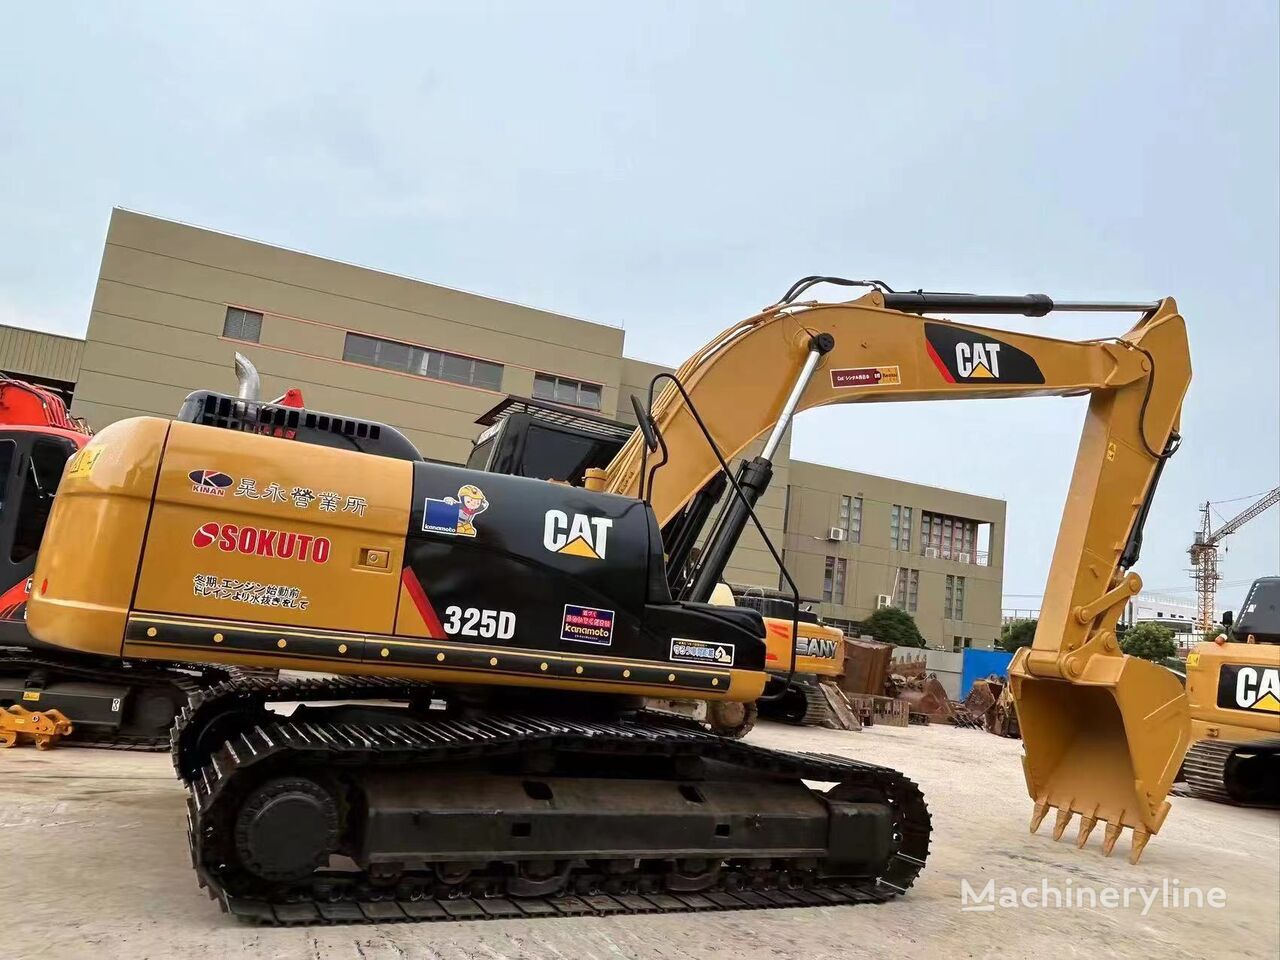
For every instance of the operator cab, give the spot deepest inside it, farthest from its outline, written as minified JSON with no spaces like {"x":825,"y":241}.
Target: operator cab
{"x":534,"y":438}
{"x":1259,"y":620}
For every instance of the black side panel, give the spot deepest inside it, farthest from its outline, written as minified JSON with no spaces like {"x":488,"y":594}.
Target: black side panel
{"x":571,"y":566}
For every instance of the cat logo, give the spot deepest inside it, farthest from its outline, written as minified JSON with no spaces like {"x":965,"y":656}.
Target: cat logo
{"x":980,"y":360}
{"x":971,"y":356}
{"x":576,"y":536}
{"x":1249,"y":687}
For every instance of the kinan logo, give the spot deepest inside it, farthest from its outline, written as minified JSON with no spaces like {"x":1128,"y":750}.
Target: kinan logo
{"x":1249,"y":687}
{"x":211,"y":483}
{"x":261,"y":542}
{"x":967,"y":356}
{"x":576,"y":536}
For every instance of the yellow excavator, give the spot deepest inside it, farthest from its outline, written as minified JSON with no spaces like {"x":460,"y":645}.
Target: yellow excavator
{"x":1233,"y":684}
{"x":549,"y":441}
{"x":480,"y":746}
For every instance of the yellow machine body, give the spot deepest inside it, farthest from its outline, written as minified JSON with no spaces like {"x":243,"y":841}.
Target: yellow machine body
{"x":1234,"y":691}
{"x":134,"y":543}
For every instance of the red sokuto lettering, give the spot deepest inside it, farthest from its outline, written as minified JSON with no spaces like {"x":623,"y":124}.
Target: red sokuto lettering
{"x":261,"y":542}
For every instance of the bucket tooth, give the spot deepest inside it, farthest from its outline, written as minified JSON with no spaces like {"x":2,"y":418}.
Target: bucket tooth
{"x":1110,"y":838}
{"x":1140,"y":839}
{"x":1060,"y":825}
{"x":1086,"y":827}
{"x":1038,"y":814}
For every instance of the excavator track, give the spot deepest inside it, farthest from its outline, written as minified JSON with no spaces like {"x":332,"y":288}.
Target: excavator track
{"x":804,"y":705}
{"x":1239,"y":772}
{"x":177,"y":684}
{"x":308,"y":769}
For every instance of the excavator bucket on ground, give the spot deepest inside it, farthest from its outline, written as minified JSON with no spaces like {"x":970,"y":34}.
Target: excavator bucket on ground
{"x":1105,"y":745}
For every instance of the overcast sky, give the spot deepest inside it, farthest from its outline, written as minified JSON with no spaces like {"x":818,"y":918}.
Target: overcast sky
{"x":671,"y":168}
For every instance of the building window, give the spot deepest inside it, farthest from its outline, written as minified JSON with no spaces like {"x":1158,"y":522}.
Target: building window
{"x":949,"y":538}
{"x":953,"y":602}
{"x":576,"y":393}
{"x":850,"y":628}
{"x":900,"y":527}
{"x":242,"y":325}
{"x":833,"y":581}
{"x":961,"y":643}
{"x":851,"y":518}
{"x":434,"y":364}
{"x":906,"y":589}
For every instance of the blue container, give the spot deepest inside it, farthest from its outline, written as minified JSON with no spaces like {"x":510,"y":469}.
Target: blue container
{"x":980,"y":664}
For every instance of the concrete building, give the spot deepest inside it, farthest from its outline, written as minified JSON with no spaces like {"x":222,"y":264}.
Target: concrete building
{"x":174,"y":302}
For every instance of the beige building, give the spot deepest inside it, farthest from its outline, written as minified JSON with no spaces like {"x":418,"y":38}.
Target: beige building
{"x":866,"y":541}
{"x":174,"y":303}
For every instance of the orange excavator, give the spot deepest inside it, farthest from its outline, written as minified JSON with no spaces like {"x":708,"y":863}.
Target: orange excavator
{"x":480,"y":746}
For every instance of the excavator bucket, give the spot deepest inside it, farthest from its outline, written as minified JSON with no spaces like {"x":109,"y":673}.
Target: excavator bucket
{"x":1105,"y":745}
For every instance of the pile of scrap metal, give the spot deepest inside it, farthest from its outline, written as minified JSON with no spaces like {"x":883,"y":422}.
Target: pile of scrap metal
{"x":923,"y":693}
{"x":990,"y":706}
{"x":863,"y":680}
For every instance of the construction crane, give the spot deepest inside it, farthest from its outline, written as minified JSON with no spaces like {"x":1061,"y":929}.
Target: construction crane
{"x":1204,"y":553}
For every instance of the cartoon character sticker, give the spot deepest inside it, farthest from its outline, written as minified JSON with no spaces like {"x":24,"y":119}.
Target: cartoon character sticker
{"x":455,"y":516}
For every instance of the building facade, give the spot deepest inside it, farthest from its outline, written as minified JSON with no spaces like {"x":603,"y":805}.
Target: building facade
{"x":866,"y":541}
{"x":174,"y":303}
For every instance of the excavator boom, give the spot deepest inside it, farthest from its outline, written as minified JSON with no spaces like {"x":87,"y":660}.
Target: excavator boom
{"x":1103,"y":733}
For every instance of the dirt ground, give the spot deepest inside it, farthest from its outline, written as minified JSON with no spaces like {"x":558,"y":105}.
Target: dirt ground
{"x":93,"y":863}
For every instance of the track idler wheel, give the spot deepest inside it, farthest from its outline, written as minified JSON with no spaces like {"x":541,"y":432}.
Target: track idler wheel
{"x":287,"y":829}
{"x":732,"y":719}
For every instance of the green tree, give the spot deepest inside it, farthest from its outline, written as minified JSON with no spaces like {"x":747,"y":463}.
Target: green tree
{"x":891,"y":625}
{"x":1150,"y":641}
{"x":1213,"y":633}
{"x":1016,"y":634}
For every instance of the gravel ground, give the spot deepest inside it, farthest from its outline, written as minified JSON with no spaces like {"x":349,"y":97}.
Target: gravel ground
{"x":94,"y":850}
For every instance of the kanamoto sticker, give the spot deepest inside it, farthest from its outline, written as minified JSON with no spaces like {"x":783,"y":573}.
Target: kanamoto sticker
{"x":587,"y":625}
{"x":455,"y":516}
{"x":866,"y":377}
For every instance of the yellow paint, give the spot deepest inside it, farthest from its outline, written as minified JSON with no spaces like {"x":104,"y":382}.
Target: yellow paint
{"x":577,"y":547}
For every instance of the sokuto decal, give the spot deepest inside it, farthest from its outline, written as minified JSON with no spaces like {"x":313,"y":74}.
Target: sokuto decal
{"x":262,"y":542}
{"x":699,"y":651}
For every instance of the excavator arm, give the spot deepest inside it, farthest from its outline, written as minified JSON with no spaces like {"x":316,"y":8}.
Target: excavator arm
{"x":1103,"y":733}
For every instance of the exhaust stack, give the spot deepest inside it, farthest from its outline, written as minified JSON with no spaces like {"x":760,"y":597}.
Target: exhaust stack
{"x":248,"y":384}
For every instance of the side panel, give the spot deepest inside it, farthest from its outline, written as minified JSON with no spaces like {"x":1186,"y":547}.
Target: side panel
{"x":820,"y":651}
{"x":258,"y":529}
{"x":88,"y":561}
{"x":1234,"y":686}
{"x":558,"y":568}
